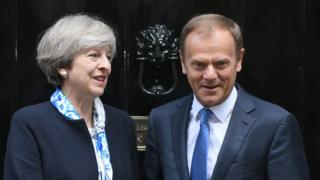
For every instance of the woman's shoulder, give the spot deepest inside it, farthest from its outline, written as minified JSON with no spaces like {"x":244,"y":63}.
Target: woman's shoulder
{"x":116,"y":113}
{"x":42,"y":107}
{"x":35,"y":111}
{"x":114,"y":110}
{"x":35,"y":106}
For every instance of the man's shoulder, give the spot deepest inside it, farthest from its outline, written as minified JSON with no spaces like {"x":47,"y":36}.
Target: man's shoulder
{"x":173,"y":106}
{"x":177,"y":103}
{"x":261,"y":106}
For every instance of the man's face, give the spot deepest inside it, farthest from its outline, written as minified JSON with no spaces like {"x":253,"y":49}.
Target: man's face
{"x":211,"y":64}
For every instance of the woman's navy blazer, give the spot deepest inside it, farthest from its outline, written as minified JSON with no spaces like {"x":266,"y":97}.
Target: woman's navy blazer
{"x":43,"y":144}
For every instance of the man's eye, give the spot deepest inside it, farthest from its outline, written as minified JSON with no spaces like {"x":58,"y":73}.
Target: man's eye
{"x":221,"y":64}
{"x":199,"y":65}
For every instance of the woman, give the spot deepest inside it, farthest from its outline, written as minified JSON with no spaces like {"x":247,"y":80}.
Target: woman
{"x":73,"y":136}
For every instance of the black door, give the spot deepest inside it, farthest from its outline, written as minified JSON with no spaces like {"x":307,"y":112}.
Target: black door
{"x":280,"y":65}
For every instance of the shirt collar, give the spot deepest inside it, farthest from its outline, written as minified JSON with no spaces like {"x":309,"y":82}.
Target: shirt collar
{"x":222,"y":110}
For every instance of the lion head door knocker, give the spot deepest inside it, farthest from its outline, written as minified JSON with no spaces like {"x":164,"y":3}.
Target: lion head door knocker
{"x":157,"y":54}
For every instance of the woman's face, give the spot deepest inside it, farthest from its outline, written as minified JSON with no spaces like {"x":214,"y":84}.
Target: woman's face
{"x":88,"y":74}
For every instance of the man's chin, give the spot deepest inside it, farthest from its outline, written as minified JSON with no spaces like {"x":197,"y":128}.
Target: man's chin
{"x":209,"y":101}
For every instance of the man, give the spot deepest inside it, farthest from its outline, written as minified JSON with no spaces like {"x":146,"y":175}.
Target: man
{"x":220,"y":132}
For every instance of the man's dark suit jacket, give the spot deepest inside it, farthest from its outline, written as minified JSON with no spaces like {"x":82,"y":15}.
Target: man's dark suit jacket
{"x":262,"y":142}
{"x":44,"y":145}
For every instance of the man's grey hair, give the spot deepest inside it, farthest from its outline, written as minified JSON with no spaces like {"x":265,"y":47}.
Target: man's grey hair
{"x":208,"y":23}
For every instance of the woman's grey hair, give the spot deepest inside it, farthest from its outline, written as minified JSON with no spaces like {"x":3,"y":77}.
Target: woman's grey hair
{"x":67,"y":37}
{"x":209,"y":22}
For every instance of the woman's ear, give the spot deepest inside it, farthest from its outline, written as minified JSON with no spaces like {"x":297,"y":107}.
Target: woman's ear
{"x":63,"y":72}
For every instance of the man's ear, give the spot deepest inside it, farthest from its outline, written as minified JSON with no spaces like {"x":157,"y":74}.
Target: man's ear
{"x":182,"y":63}
{"x":239,"y":62}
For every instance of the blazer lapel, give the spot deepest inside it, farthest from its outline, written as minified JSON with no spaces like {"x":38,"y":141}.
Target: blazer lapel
{"x":111,"y":133}
{"x":239,"y":126}
{"x":179,"y":125}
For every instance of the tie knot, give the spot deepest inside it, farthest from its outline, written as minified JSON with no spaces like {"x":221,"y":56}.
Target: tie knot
{"x":204,"y":115}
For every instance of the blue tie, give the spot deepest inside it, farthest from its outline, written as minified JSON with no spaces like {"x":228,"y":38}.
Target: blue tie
{"x":200,"y":153}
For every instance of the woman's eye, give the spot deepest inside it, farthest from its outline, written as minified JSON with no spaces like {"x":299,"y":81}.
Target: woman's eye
{"x":108,"y":56}
{"x":94,"y":55}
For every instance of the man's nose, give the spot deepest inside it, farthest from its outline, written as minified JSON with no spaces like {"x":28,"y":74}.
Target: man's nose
{"x":210,"y":72}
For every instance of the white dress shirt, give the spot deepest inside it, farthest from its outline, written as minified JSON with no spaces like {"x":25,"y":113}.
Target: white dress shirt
{"x":218,"y":124}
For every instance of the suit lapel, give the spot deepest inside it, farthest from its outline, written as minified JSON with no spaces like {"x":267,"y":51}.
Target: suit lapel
{"x":179,"y":125}
{"x":239,"y":126}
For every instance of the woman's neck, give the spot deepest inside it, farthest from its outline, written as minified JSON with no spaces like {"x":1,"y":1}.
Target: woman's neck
{"x":82,"y":104}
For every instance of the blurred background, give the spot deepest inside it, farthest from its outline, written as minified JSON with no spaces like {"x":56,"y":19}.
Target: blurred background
{"x":281,"y":64}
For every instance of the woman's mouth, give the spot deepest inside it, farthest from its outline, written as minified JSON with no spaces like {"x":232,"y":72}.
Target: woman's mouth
{"x":101,"y":80}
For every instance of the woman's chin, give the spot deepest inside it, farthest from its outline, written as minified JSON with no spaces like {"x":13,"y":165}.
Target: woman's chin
{"x":97,"y":92}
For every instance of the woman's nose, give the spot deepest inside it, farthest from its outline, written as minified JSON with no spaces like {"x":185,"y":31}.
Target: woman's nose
{"x":105,"y":62}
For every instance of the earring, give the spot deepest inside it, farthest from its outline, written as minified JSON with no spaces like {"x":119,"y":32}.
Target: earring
{"x":63,"y":73}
